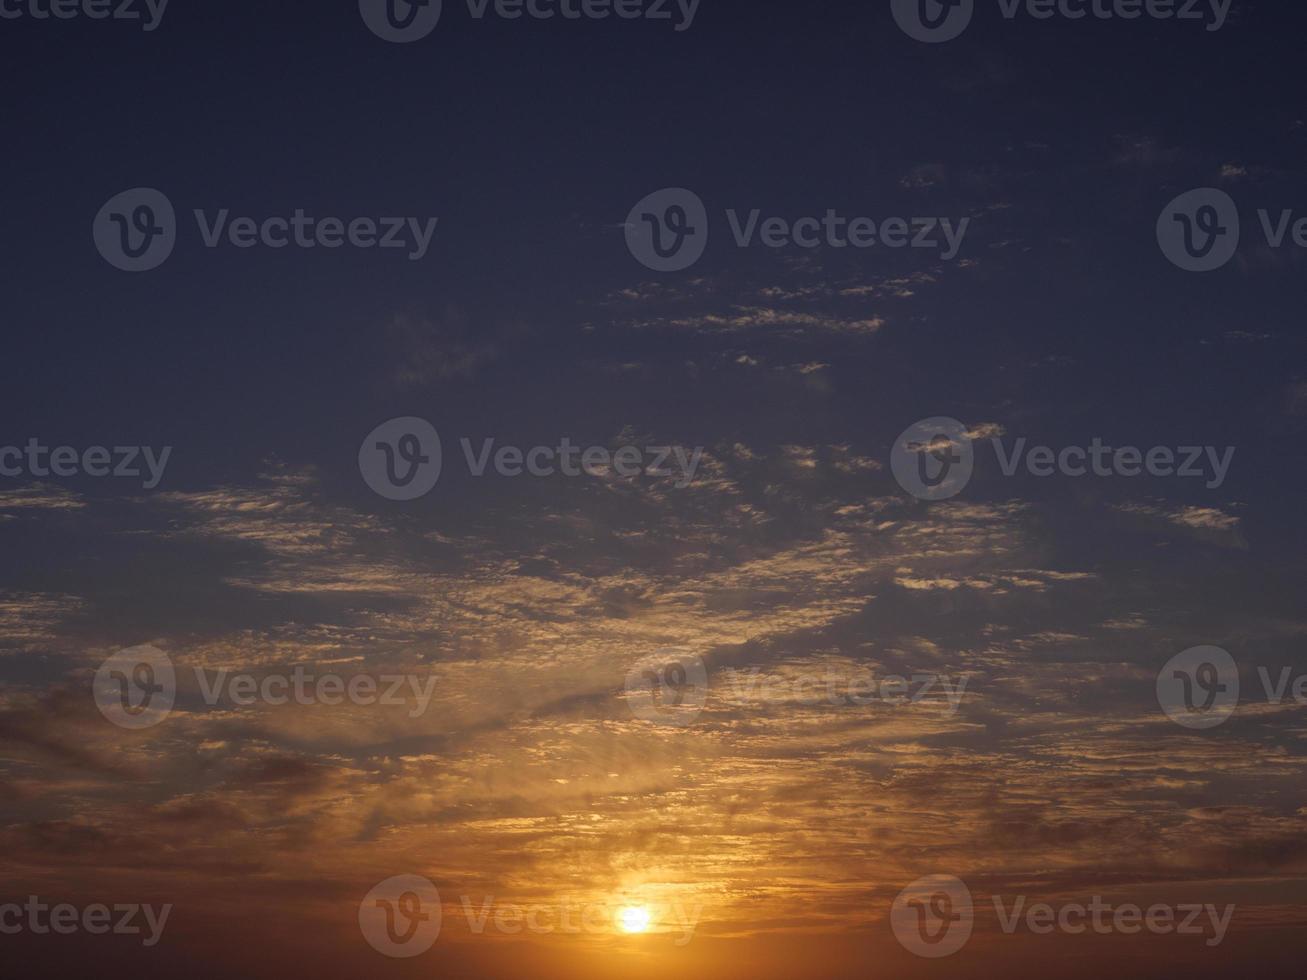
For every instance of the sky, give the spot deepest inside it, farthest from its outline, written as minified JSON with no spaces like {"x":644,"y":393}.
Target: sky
{"x":772,"y":490}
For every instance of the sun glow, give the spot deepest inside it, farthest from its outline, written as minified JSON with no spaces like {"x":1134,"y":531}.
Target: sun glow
{"x":634,"y":918}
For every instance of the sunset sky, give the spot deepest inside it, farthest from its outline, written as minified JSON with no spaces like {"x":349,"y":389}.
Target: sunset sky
{"x":765,"y":827}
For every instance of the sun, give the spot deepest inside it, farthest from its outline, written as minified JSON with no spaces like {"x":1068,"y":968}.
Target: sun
{"x":634,"y":918}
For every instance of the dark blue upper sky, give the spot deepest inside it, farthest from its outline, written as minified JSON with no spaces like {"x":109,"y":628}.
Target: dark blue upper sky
{"x":1060,"y":321}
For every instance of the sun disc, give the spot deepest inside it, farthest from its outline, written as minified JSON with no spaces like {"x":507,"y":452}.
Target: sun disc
{"x":634,"y":918}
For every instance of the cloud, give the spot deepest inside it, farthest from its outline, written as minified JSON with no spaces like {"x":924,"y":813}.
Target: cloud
{"x":429,"y":350}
